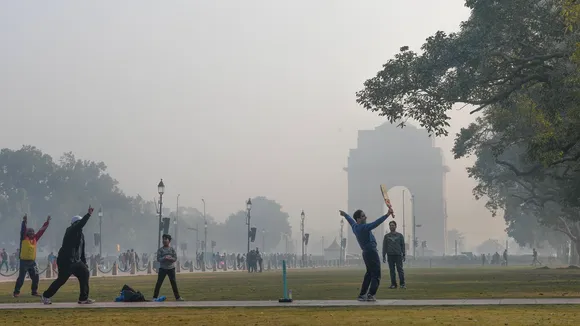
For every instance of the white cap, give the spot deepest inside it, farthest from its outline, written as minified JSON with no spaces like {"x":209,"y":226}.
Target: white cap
{"x":75,"y":218}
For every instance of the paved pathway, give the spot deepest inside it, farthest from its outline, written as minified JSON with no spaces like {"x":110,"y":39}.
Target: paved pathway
{"x":299,"y":303}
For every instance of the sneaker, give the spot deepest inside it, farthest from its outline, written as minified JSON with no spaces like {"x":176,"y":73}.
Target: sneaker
{"x":160,"y":299}
{"x":87,"y":301}
{"x":371,"y":298}
{"x":15,"y":295}
{"x":403,"y":286}
{"x":35,"y":294}
{"x":180,"y":299}
{"x":45,"y":300}
{"x":392,"y":287}
{"x":362,"y":298}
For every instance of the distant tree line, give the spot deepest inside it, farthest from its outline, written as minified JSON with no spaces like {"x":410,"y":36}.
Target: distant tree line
{"x":33,"y":183}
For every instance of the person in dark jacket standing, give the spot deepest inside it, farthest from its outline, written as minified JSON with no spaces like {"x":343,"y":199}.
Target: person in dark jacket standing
{"x":394,"y":254}
{"x":166,"y":256}
{"x":368,"y":244}
{"x":72,"y":261}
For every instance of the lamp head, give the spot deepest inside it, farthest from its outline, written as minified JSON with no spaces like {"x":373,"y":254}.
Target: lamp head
{"x":161,"y":187}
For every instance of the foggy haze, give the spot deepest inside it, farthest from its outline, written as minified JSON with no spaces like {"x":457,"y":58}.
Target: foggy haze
{"x":224,"y":100}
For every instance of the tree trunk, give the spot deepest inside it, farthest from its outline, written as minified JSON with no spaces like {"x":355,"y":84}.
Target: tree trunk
{"x":574,"y":259}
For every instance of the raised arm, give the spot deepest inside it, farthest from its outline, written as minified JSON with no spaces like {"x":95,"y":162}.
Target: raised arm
{"x":23,"y":228}
{"x":81,"y":224}
{"x":377,"y":222}
{"x":349,"y":219}
{"x":40,"y":232}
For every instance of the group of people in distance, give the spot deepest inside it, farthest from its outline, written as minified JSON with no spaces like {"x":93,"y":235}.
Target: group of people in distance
{"x":72,"y":260}
{"x":393,"y":252}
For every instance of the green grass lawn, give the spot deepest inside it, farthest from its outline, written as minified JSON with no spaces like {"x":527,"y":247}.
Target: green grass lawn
{"x":432,"y":316}
{"x":332,"y":284}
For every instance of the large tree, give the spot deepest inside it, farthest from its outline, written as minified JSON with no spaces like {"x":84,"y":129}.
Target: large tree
{"x":515,"y":62}
{"x":504,"y":47}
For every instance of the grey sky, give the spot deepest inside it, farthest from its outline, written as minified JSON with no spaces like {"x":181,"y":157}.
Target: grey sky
{"x":223,"y":99}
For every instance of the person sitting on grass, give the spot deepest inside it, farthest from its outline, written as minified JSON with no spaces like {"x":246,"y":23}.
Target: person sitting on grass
{"x":166,"y":256}
{"x":368,"y":244}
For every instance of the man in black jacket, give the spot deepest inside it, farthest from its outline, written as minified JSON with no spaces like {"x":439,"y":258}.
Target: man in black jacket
{"x":72,"y":261}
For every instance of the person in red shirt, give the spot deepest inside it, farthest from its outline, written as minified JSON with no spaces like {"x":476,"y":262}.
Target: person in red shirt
{"x":28,"y":241}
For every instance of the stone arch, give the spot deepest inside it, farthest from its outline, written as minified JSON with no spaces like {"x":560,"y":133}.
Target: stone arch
{"x":399,"y":157}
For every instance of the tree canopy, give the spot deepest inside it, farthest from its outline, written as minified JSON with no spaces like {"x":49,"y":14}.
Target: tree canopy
{"x":515,"y":63}
{"x":33,"y":183}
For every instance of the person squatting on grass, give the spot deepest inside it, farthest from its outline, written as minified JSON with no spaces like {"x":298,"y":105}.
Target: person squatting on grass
{"x":28,"y":242}
{"x":166,"y":256}
{"x":71,"y":260}
{"x":394,"y":254}
{"x":368,"y":244}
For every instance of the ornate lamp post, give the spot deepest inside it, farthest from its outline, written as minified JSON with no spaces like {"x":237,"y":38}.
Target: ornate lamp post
{"x":101,"y":232}
{"x":302,"y":217}
{"x":341,"y":242}
{"x":249,"y":217}
{"x":161,"y":191}
{"x":176,"y":222}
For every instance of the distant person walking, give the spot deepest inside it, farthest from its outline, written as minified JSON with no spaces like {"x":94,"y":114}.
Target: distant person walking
{"x":535,"y":255}
{"x":71,"y":260}
{"x":166,"y":256}
{"x":28,"y":241}
{"x":394,"y":254}
{"x":4,"y":260}
{"x":505,"y":257}
{"x":368,"y":244}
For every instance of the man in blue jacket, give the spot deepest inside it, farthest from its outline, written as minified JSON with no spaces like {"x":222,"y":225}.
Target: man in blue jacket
{"x":368,"y":244}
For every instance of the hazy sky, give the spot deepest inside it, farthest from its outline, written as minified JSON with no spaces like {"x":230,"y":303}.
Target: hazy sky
{"x":222,"y":99}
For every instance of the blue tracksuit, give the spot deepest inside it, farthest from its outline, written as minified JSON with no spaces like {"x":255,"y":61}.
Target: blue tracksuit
{"x":368,"y":244}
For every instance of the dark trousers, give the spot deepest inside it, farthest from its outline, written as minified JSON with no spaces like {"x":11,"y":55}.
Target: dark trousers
{"x":65,"y":271}
{"x":396,"y":262}
{"x":27,"y":266}
{"x":372,"y":277}
{"x":161,"y":277}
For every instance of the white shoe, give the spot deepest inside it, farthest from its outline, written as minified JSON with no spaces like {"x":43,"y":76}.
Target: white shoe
{"x":45,"y":300}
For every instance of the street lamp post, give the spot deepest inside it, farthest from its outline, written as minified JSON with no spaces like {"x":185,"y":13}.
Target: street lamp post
{"x":248,"y":219}
{"x":302,"y":217}
{"x":263,"y":240}
{"x":322,"y":247}
{"x":341,"y":242}
{"x":204,"y":231}
{"x":175,"y":224}
{"x":414,"y":226}
{"x":100,"y":232}
{"x":404,"y":231}
{"x":161,"y":191}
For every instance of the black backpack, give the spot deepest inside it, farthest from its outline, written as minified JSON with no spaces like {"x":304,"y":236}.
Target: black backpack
{"x":131,"y":295}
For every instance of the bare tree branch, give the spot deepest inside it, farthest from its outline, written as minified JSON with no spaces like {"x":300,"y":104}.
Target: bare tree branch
{"x":567,"y":230}
{"x":515,"y":170}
